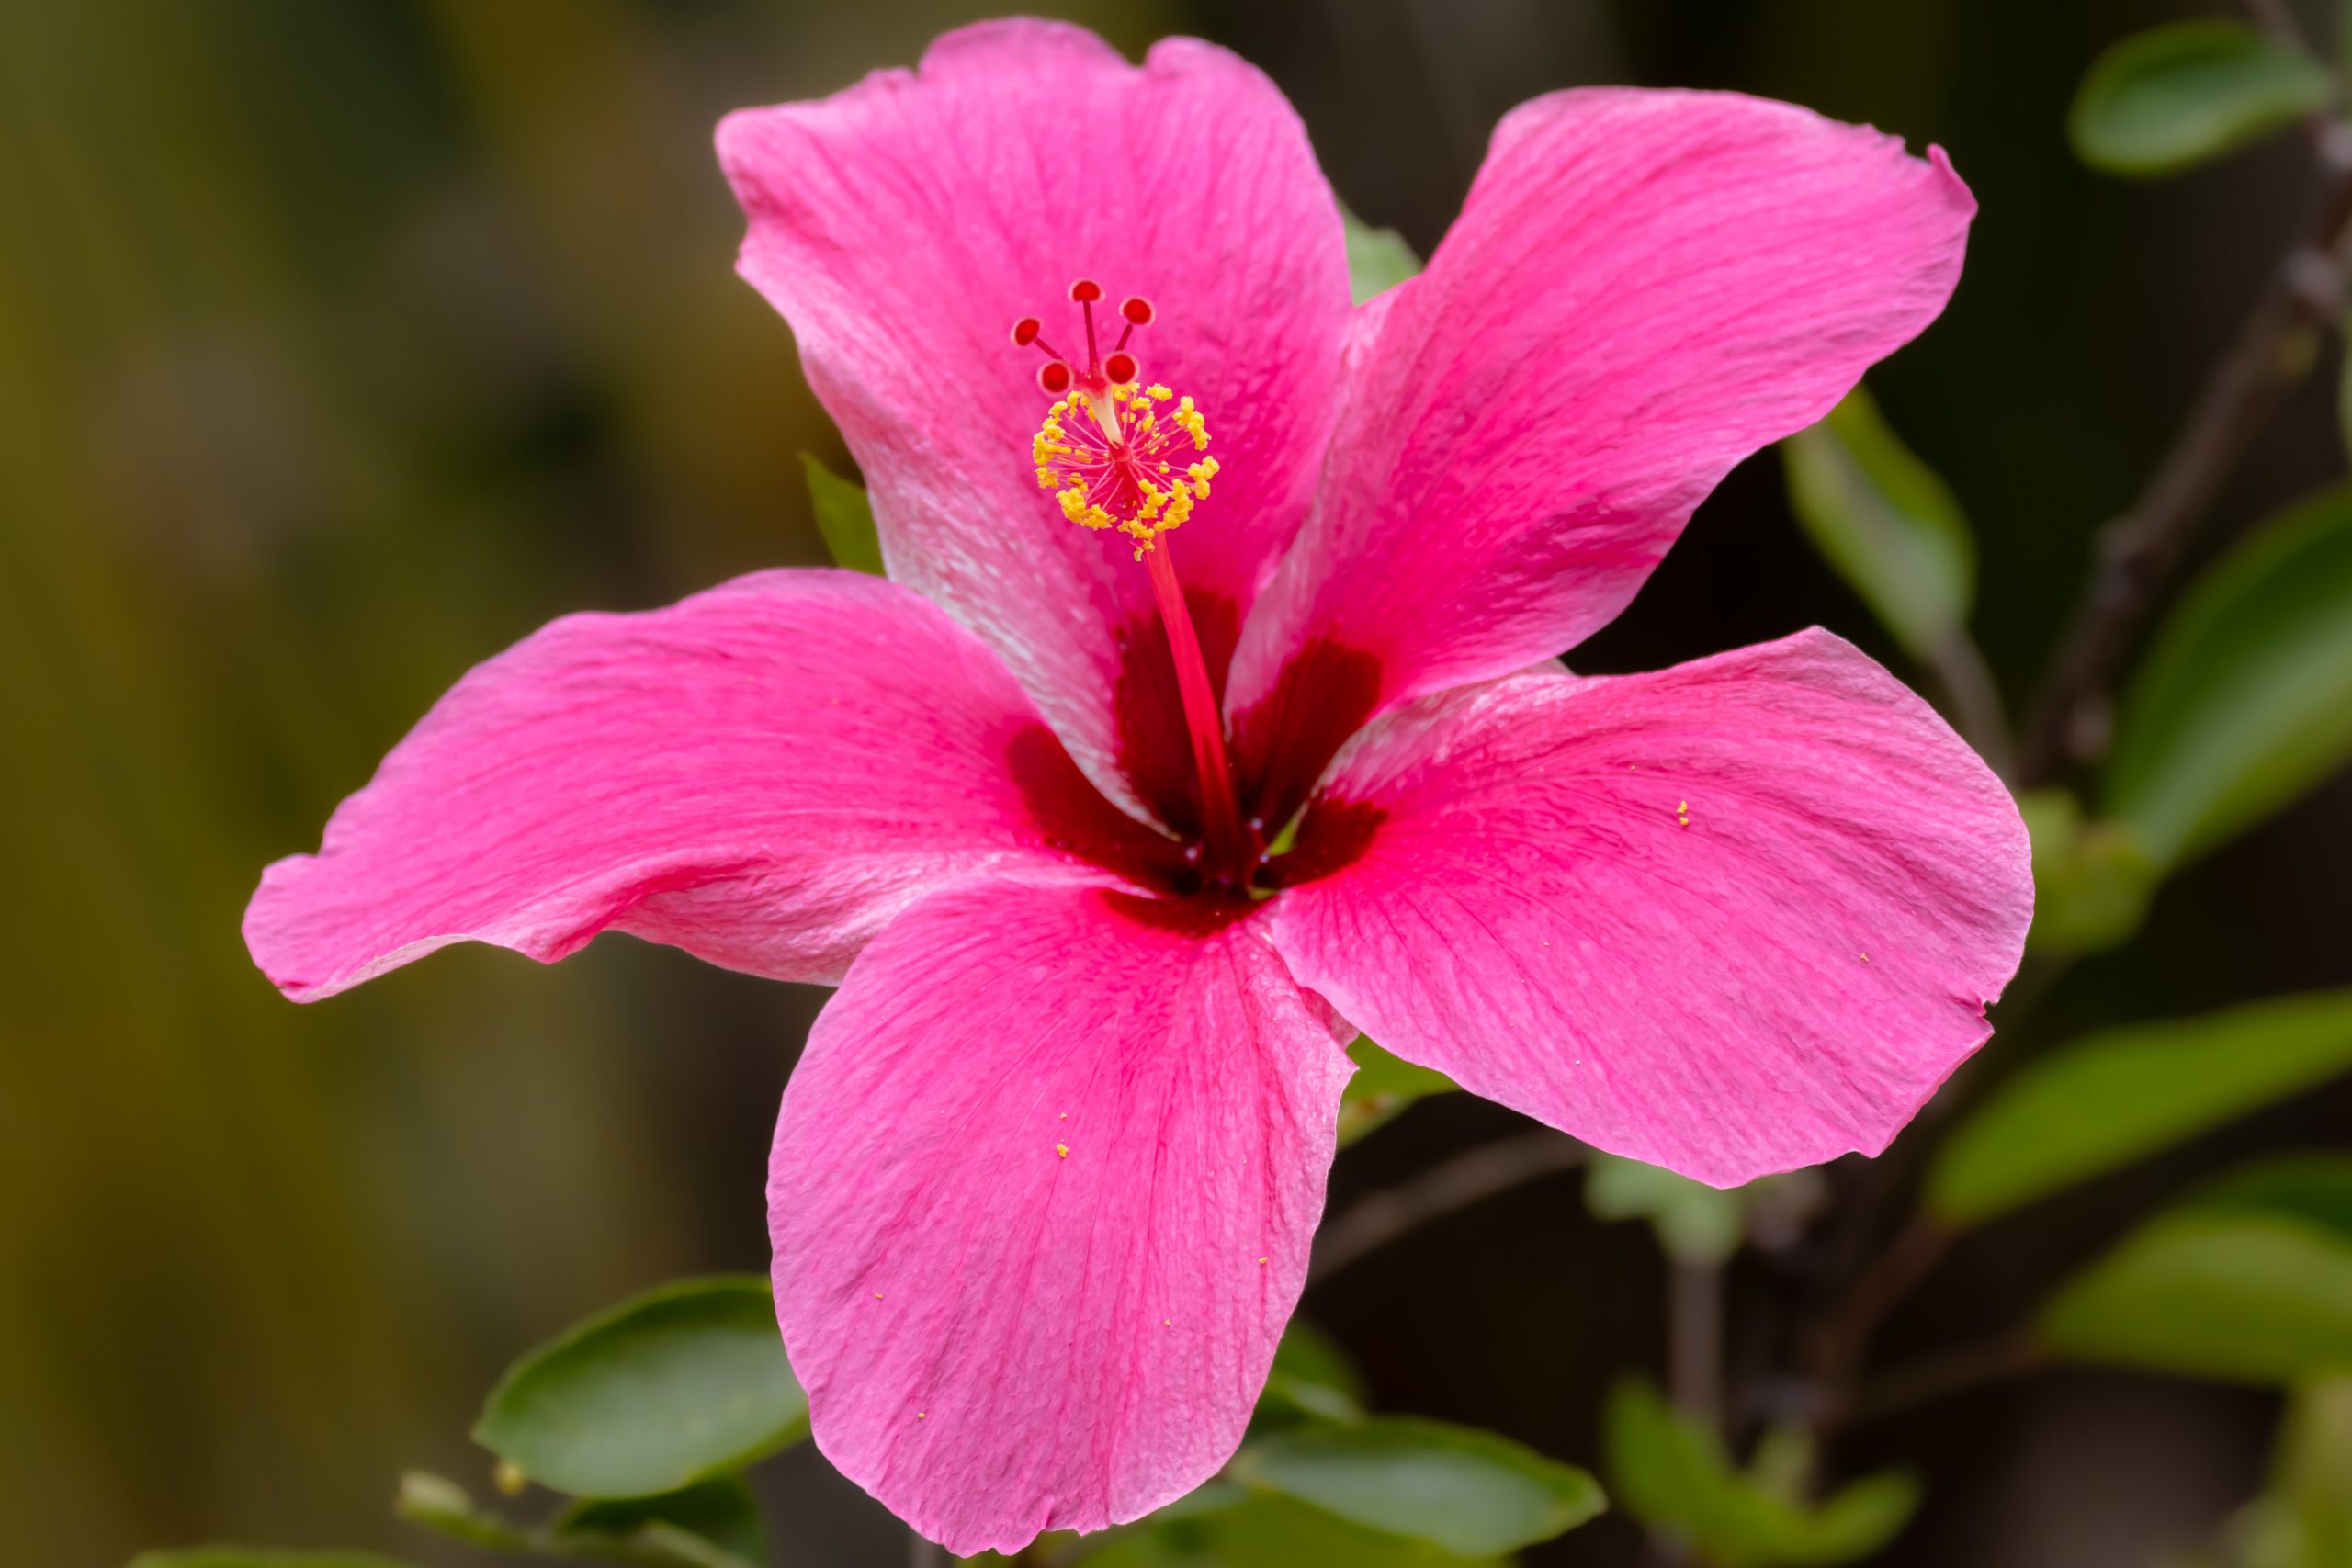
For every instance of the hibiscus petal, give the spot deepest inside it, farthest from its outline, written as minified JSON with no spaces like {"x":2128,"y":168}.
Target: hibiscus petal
{"x":904,"y":225}
{"x":1042,"y":1195}
{"x":762,"y":774}
{"x":1643,"y":288}
{"x":1732,"y":917}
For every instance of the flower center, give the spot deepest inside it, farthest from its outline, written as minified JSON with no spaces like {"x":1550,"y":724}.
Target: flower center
{"x":1112,"y":450}
{"x":1116,"y":455}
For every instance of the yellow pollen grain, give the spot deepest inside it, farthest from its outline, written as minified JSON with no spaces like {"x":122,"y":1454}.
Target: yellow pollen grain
{"x":922,"y":1414}
{"x":1062,"y":1149}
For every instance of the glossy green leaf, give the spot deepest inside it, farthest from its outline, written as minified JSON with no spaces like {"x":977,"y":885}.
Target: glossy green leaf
{"x":1472,"y":1493}
{"x":671,"y":1387}
{"x":256,"y":1557}
{"x":1383,"y":1086}
{"x":844,"y":516}
{"x":2091,"y":880}
{"x":2174,"y":96}
{"x":1378,"y":259}
{"x":1695,"y":1223}
{"x":2117,"y":1096}
{"x":1673,"y":1474}
{"x":1884,"y":521}
{"x":2242,"y":1295}
{"x":2244,"y":699}
{"x":1313,"y":1376}
{"x":1264,"y":1530}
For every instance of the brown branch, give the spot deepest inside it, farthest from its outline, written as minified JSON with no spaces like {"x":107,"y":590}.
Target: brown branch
{"x":2274,"y":17}
{"x":2139,"y":552}
{"x":1694,"y":1340}
{"x":1845,"y":1335}
{"x":1975,"y":700}
{"x":1937,"y":1376}
{"x":1372,"y":1223}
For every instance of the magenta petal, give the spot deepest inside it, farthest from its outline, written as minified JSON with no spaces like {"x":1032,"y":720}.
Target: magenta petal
{"x":1732,"y":917}
{"x":1042,"y":1195}
{"x":903,"y":226}
{"x":1643,"y":288}
{"x":762,"y":774}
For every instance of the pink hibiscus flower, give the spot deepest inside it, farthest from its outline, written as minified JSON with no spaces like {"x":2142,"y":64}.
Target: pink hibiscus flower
{"x":1046,"y":1178}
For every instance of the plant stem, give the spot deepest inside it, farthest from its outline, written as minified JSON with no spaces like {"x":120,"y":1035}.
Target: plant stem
{"x":1976,"y":710}
{"x":1937,"y":1376}
{"x":1372,"y":1223}
{"x":2274,"y":17}
{"x":1694,"y":1340}
{"x":1844,"y":1337}
{"x":2138,"y":551}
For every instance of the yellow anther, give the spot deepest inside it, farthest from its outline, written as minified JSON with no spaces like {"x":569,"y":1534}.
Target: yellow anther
{"x":1114,"y":465}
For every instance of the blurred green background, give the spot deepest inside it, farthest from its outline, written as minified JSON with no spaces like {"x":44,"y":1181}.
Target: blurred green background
{"x":343,"y":343}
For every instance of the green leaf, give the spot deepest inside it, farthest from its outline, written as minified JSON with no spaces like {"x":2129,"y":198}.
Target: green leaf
{"x":2244,"y":699}
{"x":2246,"y":1296}
{"x":254,"y":1557}
{"x":1378,"y":259}
{"x":844,"y":516}
{"x":1884,"y":521}
{"x":2114,"y":1097}
{"x":720,"y":1513}
{"x":671,"y":1387}
{"x":2091,"y":880}
{"x":1695,"y":1223}
{"x":2313,"y":1188}
{"x":2313,"y":1479}
{"x":1472,"y":1493}
{"x":2174,"y":96}
{"x":1673,"y":1473}
{"x":1383,"y":1086}
{"x":1265,"y":1531}
{"x":1312,"y":1376}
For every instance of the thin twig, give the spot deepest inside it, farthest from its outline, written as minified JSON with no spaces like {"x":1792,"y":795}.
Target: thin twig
{"x":1845,"y":1335}
{"x":1694,"y":1341}
{"x":1976,"y":709}
{"x":2138,"y":551}
{"x":1937,"y":1376}
{"x":2274,"y":17}
{"x":1372,"y":1223}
